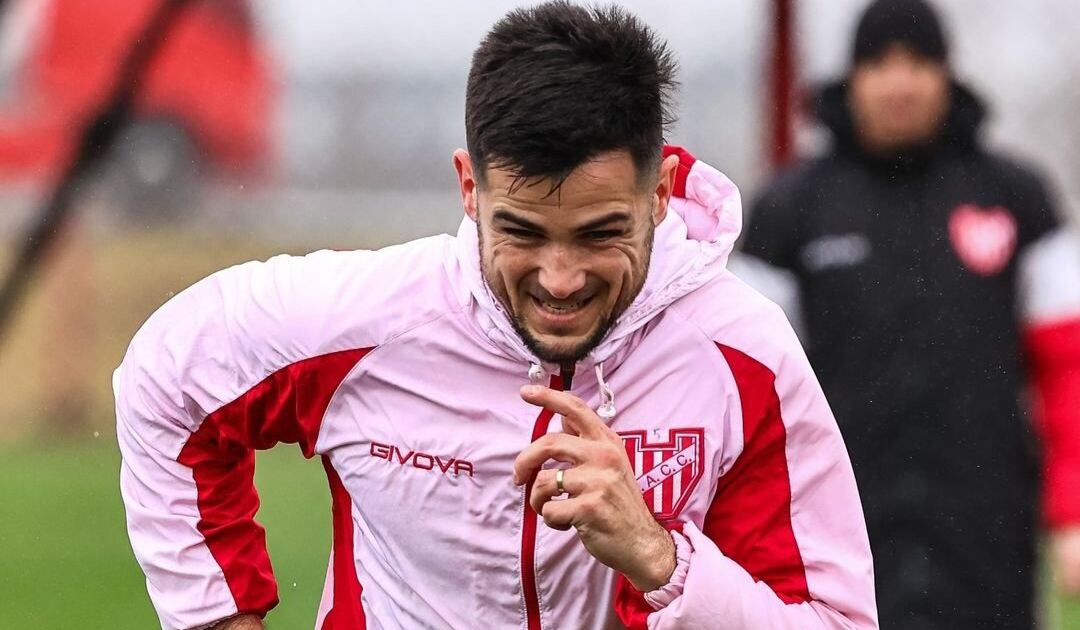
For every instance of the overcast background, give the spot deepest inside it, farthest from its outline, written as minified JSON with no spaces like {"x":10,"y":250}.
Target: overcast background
{"x":370,"y":101}
{"x":388,"y":79}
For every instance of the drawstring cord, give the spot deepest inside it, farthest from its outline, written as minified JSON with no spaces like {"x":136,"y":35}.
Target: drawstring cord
{"x":607,"y":409}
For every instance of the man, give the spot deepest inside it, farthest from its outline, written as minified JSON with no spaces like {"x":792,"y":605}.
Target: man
{"x":449,"y":385}
{"x":929,"y":272}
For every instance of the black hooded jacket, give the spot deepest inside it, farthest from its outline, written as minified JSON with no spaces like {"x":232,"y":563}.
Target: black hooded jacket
{"x":907,"y":270}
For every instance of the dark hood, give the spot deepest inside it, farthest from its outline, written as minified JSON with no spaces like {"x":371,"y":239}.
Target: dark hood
{"x":962,"y":123}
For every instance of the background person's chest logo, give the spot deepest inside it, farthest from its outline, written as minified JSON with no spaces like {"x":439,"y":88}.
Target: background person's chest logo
{"x":667,"y":472}
{"x":984,"y":239}
{"x":835,"y":251}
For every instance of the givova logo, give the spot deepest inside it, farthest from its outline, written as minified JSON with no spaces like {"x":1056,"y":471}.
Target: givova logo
{"x":419,"y":460}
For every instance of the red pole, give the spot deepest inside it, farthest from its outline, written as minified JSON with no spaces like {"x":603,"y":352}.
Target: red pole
{"x":782,"y":85}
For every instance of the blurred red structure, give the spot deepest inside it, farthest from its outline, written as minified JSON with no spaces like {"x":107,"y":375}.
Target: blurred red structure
{"x":781,"y":92}
{"x":207,"y":97}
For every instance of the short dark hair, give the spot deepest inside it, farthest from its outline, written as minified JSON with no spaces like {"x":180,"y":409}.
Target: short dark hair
{"x":554,"y":85}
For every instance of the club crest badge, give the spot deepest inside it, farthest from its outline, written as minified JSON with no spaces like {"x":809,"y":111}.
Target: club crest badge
{"x":667,"y":471}
{"x":984,"y":238}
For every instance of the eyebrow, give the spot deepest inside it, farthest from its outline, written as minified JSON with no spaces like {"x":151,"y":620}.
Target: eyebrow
{"x":611,"y":217}
{"x":501,"y":214}
{"x":504,"y":215}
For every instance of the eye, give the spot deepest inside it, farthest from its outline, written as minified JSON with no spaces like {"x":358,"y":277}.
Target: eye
{"x":598,"y":236}
{"x":521,"y":233}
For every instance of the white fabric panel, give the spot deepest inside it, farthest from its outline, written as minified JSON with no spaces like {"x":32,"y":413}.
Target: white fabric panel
{"x":779,"y":285}
{"x":1050,"y":278}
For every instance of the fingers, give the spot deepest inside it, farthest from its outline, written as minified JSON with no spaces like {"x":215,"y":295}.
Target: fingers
{"x":562,"y":514}
{"x":546,"y":487}
{"x":544,"y":490}
{"x":558,"y":446}
{"x":583,"y":431}
{"x":578,"y":418}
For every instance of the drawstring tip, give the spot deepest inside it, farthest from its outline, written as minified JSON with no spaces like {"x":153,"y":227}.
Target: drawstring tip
{"x":607,"y":396}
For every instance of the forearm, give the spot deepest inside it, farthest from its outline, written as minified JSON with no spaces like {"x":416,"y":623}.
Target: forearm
{"x":660,"y":549}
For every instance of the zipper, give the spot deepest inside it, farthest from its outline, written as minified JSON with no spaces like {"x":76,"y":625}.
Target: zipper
{"x":528,"y":526}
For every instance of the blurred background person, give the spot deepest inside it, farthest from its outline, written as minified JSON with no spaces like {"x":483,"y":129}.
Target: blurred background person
{"x":933,"y":279}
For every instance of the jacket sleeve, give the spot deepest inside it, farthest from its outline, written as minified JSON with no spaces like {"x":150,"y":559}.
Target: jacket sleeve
{"x":783,"y":544}
{"x":1050,"y":309}
{"x":210,"y":377}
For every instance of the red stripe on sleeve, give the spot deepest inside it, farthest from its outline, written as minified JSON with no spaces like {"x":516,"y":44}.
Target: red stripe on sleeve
{"x":1053,"y":352}
{"x":347,"y":612}
{"x":750,"y":516}
{"x":287,"y":406}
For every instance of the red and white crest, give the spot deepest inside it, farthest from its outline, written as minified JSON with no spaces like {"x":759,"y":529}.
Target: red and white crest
{"x":983,"y":238}
{"x":667,"y":472}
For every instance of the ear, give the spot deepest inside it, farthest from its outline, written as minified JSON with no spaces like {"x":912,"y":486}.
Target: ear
{"x":466,"y":183}
{"x":665,"y":187}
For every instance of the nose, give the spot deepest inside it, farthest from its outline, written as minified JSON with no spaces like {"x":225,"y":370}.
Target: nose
{"x":561,"y":275}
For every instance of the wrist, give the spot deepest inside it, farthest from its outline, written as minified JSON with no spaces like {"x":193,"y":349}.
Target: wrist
{"x":673,"y":589}
{"x":659,"y":563}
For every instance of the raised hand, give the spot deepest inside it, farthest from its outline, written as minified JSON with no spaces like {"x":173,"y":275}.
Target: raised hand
{"x":603,"y":501}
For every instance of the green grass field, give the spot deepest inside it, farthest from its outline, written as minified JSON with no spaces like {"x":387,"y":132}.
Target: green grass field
{"x":66,"y":562}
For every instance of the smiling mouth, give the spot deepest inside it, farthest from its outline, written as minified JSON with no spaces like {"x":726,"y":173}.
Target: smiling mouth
{"x":565,"y":308}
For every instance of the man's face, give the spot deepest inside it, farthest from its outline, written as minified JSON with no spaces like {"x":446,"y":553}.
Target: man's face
{"x":566,"y":264}
{"x":898,"y":99}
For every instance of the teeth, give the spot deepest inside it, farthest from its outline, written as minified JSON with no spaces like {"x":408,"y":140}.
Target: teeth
{"x":561,"y":309}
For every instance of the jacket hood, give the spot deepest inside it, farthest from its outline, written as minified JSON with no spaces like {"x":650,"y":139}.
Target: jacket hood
{"x":690,"y":248}
{"x":962,"y":123}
